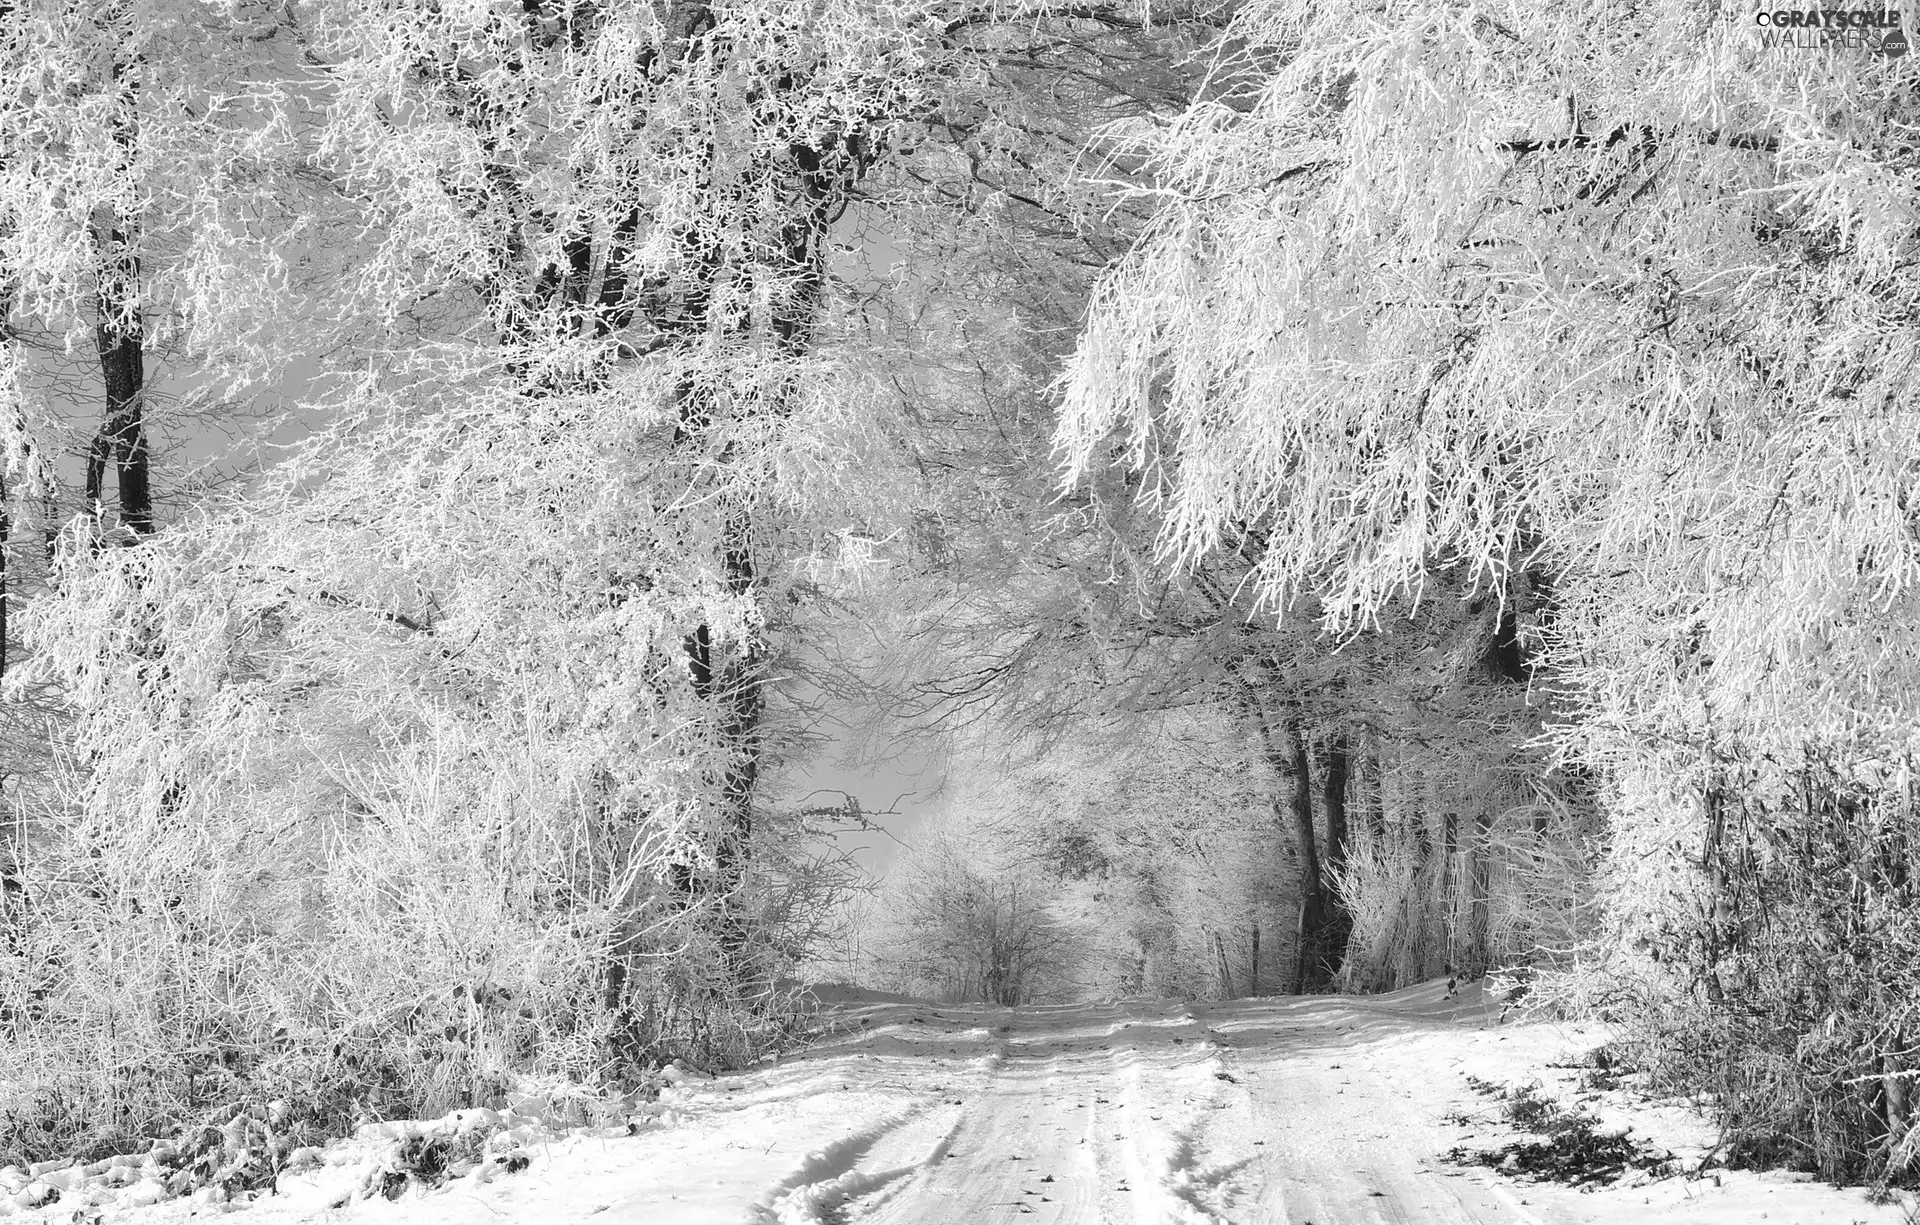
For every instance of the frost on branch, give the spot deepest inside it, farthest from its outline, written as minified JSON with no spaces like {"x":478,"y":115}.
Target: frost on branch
{"x":396,"y":779}
{"x":1623,"y":303}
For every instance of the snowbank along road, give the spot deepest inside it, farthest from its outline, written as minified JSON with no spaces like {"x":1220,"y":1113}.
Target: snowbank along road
{"x":1325,"y":1110}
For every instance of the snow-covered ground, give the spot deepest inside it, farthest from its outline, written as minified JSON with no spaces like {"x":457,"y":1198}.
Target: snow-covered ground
{"x":1322,"y":1110}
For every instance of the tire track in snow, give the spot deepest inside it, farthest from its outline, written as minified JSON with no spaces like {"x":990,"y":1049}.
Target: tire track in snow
{"x":821,"y":1188}
{"x":1027,"y":1146}
{"x":1103,"y":1115}
{"x":1187,"y":1167}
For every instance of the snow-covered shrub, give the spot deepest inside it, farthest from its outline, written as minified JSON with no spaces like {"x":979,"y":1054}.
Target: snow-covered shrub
{"x":956,"y":925}
{"x":1771,"y":962}
{"x":396,"y":783}
{"x":1379,"y":885}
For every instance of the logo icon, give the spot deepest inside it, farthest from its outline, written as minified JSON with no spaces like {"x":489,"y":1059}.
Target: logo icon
{"x":1864,"y":29}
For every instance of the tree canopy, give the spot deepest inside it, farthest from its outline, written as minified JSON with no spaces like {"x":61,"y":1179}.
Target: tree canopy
{"x":1383,"y":492}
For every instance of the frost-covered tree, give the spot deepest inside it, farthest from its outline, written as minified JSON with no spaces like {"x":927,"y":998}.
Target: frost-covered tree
{"x":471,"y":700}
{"x":1623,"y":301}
{"x":954,"y":925}
{"x":141,"y":218}
{"x":570,"y":331}
{"x":1005,"y":601}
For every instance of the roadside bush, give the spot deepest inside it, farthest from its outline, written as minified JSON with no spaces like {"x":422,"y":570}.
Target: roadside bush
{"x":418,"y":958}
{"x":395,"y":787}
{"x":951,"y":927}
{"x":1776,"y":974}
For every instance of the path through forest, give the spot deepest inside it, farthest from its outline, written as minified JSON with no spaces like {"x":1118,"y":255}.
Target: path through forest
{"x":1325,"y":1110}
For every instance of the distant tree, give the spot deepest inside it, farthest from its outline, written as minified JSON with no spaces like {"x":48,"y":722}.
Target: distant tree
{"x":951,"y":923}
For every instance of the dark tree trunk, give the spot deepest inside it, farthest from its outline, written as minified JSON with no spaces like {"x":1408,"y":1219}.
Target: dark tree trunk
{"x":49,"y":533}
{"x":1287,"y":753}
{"x":1374,"y":789}
{"x":1333,"y":796}
{"x":122,"y":440}
{"x":6,"y":586}
{"x":1450,"y":852}
{"x":1253,"y":971}
{"x":1899,"y":1113}
{"x":1721,"y":929}
{"x":1336,"y":919}
{"x":6,"y":520}
{"x":1479,"y":937}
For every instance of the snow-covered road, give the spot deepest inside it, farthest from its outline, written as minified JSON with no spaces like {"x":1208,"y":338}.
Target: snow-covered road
{"x":1319,"y":1110}
{"x":1133,"y":1112}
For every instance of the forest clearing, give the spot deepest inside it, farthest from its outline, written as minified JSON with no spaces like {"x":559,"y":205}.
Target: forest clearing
{"x":534,"y":531}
